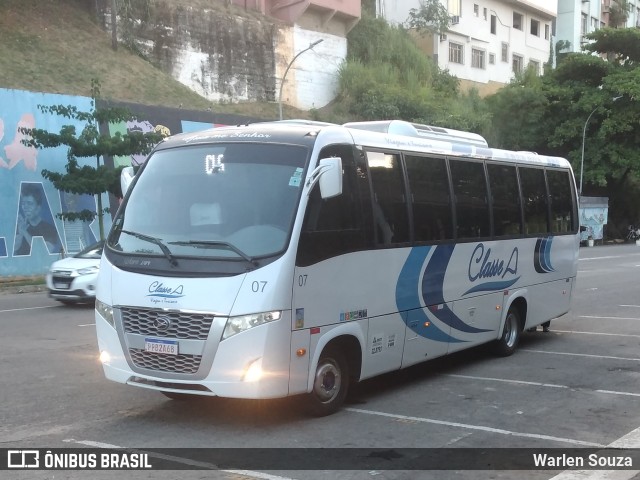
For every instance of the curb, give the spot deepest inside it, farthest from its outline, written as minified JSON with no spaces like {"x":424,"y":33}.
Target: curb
{"x":9,"y":288}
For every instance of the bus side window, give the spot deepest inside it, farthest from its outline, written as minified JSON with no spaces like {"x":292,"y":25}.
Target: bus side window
{"x":332,"y":226}
{"x":503,"y":182}
{"x":561,"y":200}
{"x":471,"y":200}
{"x":430,"y":198}
{"x":390,"y":214}
{"x":534,"y":197}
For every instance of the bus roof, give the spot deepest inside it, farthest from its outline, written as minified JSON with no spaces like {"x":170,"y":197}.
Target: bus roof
{"x":394,"y":134}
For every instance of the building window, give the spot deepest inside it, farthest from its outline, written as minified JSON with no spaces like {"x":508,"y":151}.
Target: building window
{"x":476,"y":9}
{"x":595,"y":23}
{"x":584,"y":24}
{"x":535,"y":66}
{"x":484,"y":13}
{"x":535,"y":27}
{"x":456,"y":53}
{"x":517,"y":63}
{"x":492,"y":59}
{"x":546,"y":32}
{"x":517,"y":21}
{"x":478,"y":58}
{"x":493,"y":24}
{"x":505,"y":52}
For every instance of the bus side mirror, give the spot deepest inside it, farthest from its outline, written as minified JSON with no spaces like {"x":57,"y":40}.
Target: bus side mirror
{"x":329,"y":174}
{"x":126,"y":177}
{"x":583,"y":228}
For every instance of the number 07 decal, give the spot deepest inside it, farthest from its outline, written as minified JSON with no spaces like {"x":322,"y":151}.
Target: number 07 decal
{"x":258,"y":287}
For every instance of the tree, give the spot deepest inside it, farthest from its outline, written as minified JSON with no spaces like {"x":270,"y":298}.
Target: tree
{"x":431,"y":18}
{"x":90,"y":143}
{"x":619,"y":13}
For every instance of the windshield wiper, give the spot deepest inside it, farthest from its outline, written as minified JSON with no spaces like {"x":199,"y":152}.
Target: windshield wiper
{"x":157,"y":241}
{"x":217,"y":243}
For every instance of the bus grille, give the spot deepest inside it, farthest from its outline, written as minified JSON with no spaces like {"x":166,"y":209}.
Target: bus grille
{"x":160,"y":323}
{"x":165,"y":363}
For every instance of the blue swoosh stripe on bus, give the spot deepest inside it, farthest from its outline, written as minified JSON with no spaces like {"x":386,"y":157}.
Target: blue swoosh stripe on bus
{"x":542,"y":256}
{"x":432,"y":289}
{"x":536,"y":257}
{"x":164,"y":295}
{"x":408,"y":299}
{"x":547,"y":254}
{"x":491,"y":286}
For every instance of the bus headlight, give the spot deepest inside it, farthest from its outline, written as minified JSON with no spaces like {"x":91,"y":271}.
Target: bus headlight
{"x":245,"y":322}
{"x":106,"y":312}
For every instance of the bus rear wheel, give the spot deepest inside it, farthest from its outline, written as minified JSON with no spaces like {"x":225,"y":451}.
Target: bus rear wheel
{"x":330,"y":383}
{"x":508,"y":342}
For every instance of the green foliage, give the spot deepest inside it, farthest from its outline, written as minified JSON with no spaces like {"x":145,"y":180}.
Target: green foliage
{"x":518,"y":113}
{"x":432,"y":17}
{"x":89,"y":143}
{"x":374,"y":42}
{"x":388,"y":77}
{"x":624,"y":43}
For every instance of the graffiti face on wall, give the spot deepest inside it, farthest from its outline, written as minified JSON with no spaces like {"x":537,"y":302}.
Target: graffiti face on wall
{"x":34,"y":221}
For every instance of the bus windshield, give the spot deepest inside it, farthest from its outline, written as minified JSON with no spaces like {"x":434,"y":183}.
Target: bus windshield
{"x":234,"y":201}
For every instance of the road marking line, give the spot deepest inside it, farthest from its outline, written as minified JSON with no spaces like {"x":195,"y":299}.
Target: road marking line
{"x":522,"y":382}
{"x":630,"y":440}
{"x":609,"y":257}
{"x":28,"y":308}
{"x":86,"y":325}
{"x":612,"y":392}
{"x":182,"y":460}
{"x":608,"y":357}
{"x":537,"y":384}
{"x":631,"y":306}
{"x":477,"y":427}
{"x":609,"y":318}
{"x":597,"y":333}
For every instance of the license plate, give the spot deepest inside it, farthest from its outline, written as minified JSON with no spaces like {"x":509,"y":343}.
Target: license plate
{"x":168,"y":347}
{"x":61,"y":286}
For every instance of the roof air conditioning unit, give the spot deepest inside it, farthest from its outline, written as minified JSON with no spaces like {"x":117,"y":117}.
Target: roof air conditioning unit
{"x":455,"y":20}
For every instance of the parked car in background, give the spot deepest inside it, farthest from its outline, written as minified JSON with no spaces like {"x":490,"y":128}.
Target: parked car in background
{"x":73,"y":279}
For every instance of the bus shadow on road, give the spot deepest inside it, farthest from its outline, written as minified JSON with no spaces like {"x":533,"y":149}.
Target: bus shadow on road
{"x":455,"y":363}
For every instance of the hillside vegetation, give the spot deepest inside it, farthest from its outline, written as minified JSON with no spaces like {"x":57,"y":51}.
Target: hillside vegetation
{"x":57,"y":46}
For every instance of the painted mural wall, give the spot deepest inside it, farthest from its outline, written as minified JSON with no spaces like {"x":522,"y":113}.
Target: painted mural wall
{"x":31,"y":234}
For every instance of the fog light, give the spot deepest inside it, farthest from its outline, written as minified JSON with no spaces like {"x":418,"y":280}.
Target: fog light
{"x":253,"y":372}
{"x":105,"y":357}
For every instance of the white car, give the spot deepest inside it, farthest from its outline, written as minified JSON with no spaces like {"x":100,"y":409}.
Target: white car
{"x":73,"y":279}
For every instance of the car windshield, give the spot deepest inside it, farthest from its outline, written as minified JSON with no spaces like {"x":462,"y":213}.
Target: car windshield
{"x":92,"y":251}
{"x":233,"y":201}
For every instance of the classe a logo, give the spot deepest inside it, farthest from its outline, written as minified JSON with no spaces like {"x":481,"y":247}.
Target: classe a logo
{"x":162,"y":323}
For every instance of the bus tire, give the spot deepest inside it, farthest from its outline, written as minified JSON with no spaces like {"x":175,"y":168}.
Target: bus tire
{"x":330,"y":383}
{"x":508,"y":341}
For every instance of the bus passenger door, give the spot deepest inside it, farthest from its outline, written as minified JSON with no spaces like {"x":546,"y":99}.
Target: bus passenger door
{"x":425,"y":338}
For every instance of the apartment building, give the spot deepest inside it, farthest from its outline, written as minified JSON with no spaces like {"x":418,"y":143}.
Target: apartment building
{"x":578,"y":18}
{"x":488,"y":41}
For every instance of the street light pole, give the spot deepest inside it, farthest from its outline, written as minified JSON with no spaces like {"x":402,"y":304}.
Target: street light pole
{"x":287,"y":71}
{"x":584,"y":136}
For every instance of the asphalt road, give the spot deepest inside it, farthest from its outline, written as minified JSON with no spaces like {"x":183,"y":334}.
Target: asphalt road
{"x":574,"y":387}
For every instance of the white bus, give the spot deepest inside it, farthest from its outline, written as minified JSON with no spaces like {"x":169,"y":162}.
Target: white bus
{"x":288,"y":258}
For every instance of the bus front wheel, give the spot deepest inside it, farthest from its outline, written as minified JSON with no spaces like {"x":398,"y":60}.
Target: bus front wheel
{"x":330,"y":383}
{"x":508,"y":342}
